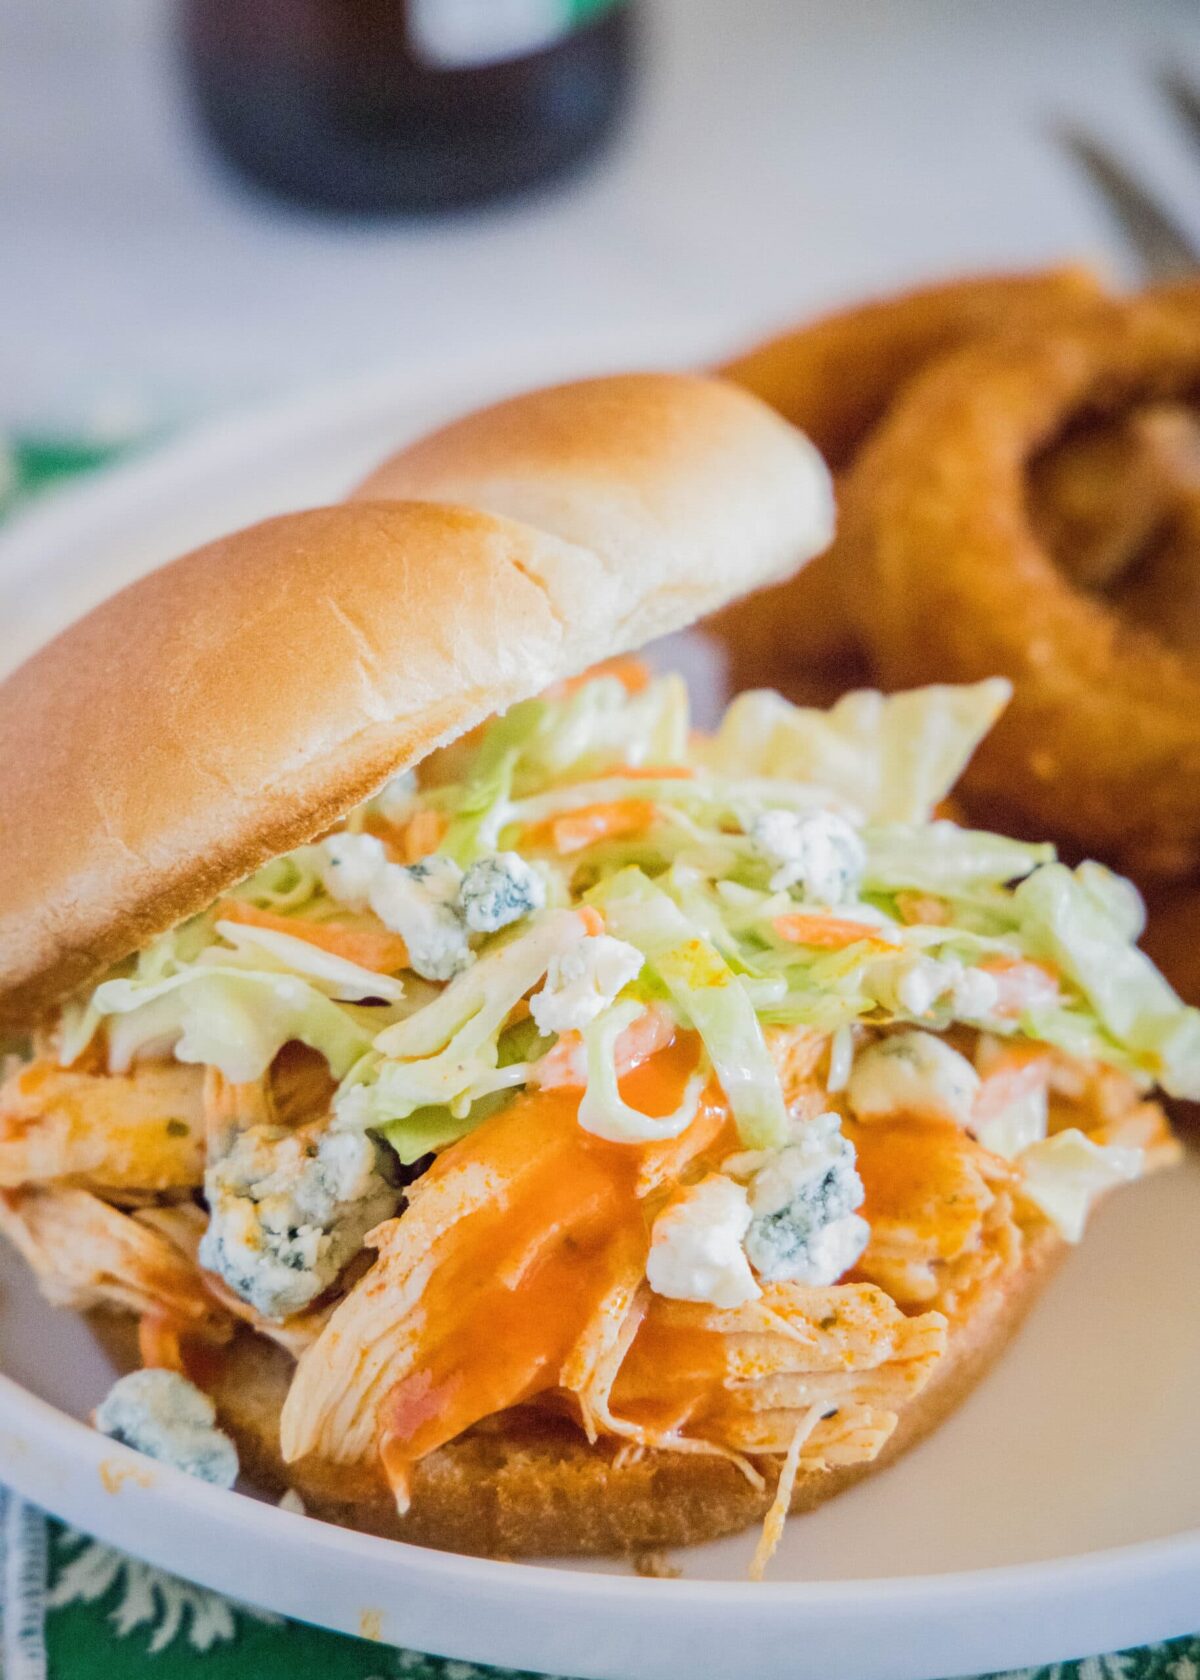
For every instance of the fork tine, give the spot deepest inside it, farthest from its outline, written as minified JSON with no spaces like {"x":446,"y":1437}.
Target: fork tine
{"x":1184,"y":96}
{"x":1165,"y":250}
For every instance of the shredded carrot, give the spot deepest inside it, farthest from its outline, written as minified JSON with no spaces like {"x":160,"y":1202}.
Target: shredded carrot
{"x":577,"y":829}
{"x":373,"y":948}
{"x":921,"y":909}
{"x":652,"y":772}
{"x":1022,"y":984}
{"x":1018,"y":1071}
{"x":593,"y":921}
{"x":422,"y":835}
{"x":633,"y":674}
{"x":828,"y":933}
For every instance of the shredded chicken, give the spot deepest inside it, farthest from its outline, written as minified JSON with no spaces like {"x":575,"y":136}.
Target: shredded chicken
{"x":526,"y":1246}
{"x":87,"y":1253}
{"x":143,"y":1130}
{"x":638,"y":1367}
{"x":930,"y":1188}
{"x":230,"y":1109}
{"x":743,"y":1376}
{"x":797,"y":1054}
{"x":772,"y":1529}
{"x":1107,"y":1105}
{"x":529,"y":1235}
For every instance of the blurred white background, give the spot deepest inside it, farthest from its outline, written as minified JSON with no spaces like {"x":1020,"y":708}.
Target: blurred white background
{"x":780,"y":155}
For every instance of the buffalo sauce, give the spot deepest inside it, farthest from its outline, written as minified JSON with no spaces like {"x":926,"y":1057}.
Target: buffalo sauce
{"x":527,"y":1273}
{"x":670,"y":1376}
{"x":923,"y":1174}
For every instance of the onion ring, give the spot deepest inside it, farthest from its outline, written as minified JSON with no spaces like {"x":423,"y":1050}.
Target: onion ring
{"x":1101,"y":744}
{"x":1162,"y":591}
{"x":835,"y":378}
{"x":1172,"y":937}
{"x":1101,"y":500}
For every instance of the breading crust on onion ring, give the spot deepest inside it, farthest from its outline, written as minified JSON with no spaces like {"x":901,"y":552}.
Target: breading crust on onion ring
{"x":1172,"y":937}
{"x":1162,"y":592}
{"x":1101,"y":744}
{"x":835,"y":378}
{"x":1104,"y":499}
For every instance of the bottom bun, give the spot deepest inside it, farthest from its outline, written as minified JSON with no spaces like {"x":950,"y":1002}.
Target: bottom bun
{"x":528,"y":1485}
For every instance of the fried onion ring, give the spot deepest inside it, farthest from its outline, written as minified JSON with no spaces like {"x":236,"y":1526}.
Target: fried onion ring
{"x":1172,"y":937}
{"x":1101,"y":744}
{"x":1104,"y":499}
{"x":1162,"y":592}
{"x":835,"y":378}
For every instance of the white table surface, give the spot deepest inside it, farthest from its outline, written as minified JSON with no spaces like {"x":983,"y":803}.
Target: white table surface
{"x":782,"y":155}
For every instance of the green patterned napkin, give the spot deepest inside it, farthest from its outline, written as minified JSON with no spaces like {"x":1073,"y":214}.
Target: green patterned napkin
{"x":31,"y":465}
{"x":72,"y":1608}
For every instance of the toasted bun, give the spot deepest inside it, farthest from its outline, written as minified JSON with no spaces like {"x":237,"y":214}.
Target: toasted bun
{"x":650,"y":471}
{"x":530,"y":1488}
{"x":237,"y":702}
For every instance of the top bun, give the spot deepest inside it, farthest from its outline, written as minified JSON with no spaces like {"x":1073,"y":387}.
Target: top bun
{"x":240,"y":700}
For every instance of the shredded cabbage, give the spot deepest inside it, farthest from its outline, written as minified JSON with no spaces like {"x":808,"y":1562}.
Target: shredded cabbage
{"x":232,"y":1019}
{"x":1063,"y":1175}
{"x":429,"y":1129}
{"x":941,"y":858}
{"x":591,"y":730}
{"x":1065,"y":920}
{"x":893,"y":757}
{"x":482,"y":810}
{"x":710,"y":998}
{"x":284,"y":885}
{"x":726,"y":936}
{"x":598,"y":725}
{"x":603,"y":1111}
{"x":446,"y":1054}
{"x":276,"y":952}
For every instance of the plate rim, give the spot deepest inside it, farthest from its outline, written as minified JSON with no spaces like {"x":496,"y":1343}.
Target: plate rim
{"x":957,"y":1622}
{"x":52,"y":1425}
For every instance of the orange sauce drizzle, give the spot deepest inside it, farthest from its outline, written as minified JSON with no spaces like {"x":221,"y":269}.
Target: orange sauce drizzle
{"x":525,"y":1276}
{"x":922,"y":1174}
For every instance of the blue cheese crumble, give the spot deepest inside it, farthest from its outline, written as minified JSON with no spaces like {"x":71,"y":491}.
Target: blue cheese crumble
{"x":287,"y":1211}
{"x":802,"y":1201}
{"x":499,"y":890}
{"x":163,"y":1415}
{"x":912,"y":1072}
{"x":817,"y":851}
{"x":419,"y":902}
{"x":936,"y":989}
{"x":582,"y":981}
{"x":696,"y":1249}
{"x":396,"y":800}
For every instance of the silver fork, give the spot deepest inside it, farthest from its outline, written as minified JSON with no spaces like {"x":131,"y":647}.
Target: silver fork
{"x":1165,"y":249}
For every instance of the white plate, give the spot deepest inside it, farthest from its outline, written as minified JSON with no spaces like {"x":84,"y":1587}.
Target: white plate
{"x":1058,"y":1513}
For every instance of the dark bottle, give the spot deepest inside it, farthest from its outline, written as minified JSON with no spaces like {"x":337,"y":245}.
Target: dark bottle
{"x":371,"y":106}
